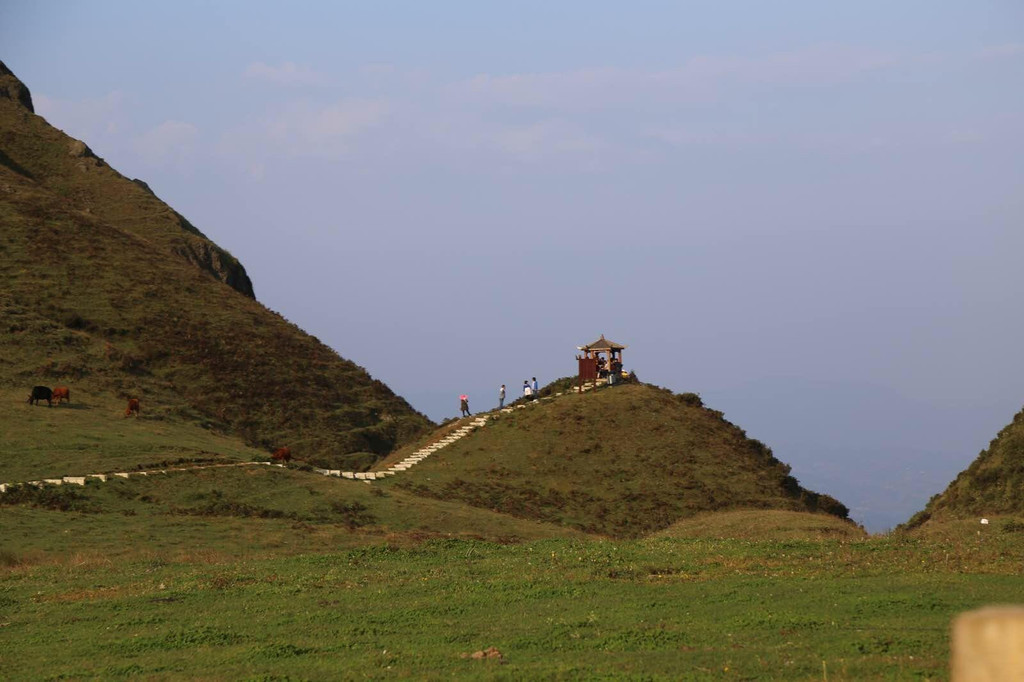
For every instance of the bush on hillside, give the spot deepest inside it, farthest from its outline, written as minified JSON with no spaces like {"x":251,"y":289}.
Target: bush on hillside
{"x":353,"y":461}
{"x":560,"y":385}
{"x":1012,"y":526}
{"x":57,"y":497}
{"x":916,"y":521}
{"x":691,"y":399}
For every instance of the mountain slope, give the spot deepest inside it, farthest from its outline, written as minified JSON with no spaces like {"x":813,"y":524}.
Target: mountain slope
{"x":84,"y":182}
{"x":623,"y":461}
{"x":993,"y":484}
{"x":108,"y":290}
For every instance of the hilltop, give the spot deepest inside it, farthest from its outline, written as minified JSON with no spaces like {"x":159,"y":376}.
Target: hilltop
{"x":108,"y":290}
{"x":993,"y":484}
{"x":624,"y":461}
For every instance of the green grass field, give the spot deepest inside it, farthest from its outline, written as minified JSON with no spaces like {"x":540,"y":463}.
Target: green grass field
{"x":268,"y":573}
{"x":555,"y":609}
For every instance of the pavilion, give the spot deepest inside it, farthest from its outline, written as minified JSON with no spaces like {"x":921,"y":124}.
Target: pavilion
{"x":602,"y":358}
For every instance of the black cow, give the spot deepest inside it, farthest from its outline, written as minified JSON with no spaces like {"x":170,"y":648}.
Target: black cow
{"x":41,"y":393}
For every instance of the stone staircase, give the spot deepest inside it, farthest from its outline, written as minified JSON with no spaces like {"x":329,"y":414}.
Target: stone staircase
{"x":413,"y":459}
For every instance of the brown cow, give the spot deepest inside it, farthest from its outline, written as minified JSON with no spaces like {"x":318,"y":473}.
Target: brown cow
{"x":61,"y":393}
{"x":282,"y":455}
{"x":133,"y":408}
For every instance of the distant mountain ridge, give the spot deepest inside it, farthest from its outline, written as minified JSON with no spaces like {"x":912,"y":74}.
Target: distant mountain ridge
{"x":105,"y":287}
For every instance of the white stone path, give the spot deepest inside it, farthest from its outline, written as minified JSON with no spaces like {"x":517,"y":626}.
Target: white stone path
{"x":80,"y":480}
{"x":367,"y":476}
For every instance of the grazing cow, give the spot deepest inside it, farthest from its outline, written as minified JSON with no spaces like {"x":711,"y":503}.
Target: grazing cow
{"x":41,"y":393}
{"x":133,"y":408}
{"x":61,"y":393}
{"x":282,"y":455}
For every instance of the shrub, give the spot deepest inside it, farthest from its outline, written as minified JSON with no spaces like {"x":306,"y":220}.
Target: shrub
{"x":354,"y":514}
{"x":1012,"y":526}
{"x":58,"y":497}
{"x":8,"y":558}
{"x":917,"y":520}
{"x":691,"y":399}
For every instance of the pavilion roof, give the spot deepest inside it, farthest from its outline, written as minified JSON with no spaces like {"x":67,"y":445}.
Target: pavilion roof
{"x":602,"y":344}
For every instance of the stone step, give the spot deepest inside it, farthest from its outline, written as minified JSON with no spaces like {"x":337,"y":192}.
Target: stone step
{"x":75,"y":480}
{"x":348,"y":474}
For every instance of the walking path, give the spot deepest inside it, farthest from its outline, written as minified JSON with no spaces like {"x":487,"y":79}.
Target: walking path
{"x":80,"y":480}
{"x":367,"y":476}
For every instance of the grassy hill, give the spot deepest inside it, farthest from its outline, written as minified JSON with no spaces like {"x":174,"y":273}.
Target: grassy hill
{"x":106,"y":289}
{"x":763,"y":524}
{"x":624,"y":461}
{"x":992,"y":486}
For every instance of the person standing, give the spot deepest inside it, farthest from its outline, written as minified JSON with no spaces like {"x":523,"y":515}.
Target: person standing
{"x":464,"y":405}
{"x":501,"y":397}
{"x":527,"y":391}
{"x":535,"y":390}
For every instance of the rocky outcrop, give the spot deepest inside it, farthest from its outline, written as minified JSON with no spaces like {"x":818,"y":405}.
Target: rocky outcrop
{"x":13,"y":89}
{"x":198,"y":250}
{"x":209,"y":257}
{"x":144,"y":185}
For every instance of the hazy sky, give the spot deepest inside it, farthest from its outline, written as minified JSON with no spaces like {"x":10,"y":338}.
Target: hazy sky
{"x":808,"y":212}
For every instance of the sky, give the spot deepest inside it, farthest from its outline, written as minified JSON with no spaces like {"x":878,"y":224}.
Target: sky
{"x":808,"y":213}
